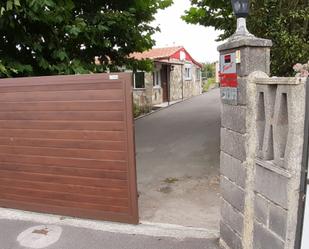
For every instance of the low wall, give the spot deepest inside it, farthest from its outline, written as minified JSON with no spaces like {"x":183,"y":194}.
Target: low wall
{"x":279,"y":126}
{"x":143,"y":96}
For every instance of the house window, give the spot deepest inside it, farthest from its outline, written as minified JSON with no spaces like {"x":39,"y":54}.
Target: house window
{"x":188,"y":72}
{"x":139,"y":80}
{"x":157,"y":78}
{"x":198,"y":74}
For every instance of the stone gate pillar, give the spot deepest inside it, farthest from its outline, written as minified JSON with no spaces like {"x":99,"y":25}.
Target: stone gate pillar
{"x":241,"y":55}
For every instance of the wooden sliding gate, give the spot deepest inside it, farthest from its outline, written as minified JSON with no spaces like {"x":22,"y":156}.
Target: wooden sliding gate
{"x":67,"y":146}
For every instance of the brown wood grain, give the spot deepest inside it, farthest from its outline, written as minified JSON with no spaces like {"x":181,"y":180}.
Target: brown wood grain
{"x":67,"y":188}
{"x":63,"y":161}
{"x":64,"y":115}
{"x":113,"y":94}
{"x":66,"y":171}
{"x":63,"y":87}
{"x":64,"y":134}
{"x":93,"y":105}
{"x":67,"y":146}
{"x":64,"y":143}
{"x":63,"y":125}
{"x":64,"y":152}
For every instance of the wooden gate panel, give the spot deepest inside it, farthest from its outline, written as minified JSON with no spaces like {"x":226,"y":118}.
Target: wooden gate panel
{"x":67,"y":146}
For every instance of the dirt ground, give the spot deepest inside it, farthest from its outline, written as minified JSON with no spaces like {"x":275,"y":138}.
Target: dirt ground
{"x":178,"y":163}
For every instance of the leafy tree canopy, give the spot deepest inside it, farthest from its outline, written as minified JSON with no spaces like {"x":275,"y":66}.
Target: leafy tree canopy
{"x":285,"y":22}
{"x":209,"y":70}
{"x":47,"y":37}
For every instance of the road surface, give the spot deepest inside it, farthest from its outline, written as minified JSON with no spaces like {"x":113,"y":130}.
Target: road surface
{"x":178,"y":152}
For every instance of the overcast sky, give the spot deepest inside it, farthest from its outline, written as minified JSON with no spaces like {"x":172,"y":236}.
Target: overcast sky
{"x":198,"y":40}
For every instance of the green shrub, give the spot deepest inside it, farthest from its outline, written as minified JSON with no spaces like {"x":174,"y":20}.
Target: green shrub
{"x":209,"y":84}
{"x":140,"y":110}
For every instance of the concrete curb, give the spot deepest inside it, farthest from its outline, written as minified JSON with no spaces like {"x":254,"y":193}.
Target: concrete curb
{"x":145,"y":228}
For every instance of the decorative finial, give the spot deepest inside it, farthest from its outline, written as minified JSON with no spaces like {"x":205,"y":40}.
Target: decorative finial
{"x":241,"y":10}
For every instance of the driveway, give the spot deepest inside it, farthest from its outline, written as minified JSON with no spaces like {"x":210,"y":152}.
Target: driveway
{"x":178,"y":163}
{"x":13,"y":236}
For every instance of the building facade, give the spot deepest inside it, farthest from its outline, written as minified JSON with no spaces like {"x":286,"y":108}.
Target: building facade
{"x":176,"y":76}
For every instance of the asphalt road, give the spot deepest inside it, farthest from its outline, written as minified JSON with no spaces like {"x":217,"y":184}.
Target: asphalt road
{"x":178,"y":152}
{"x":81,"y":238}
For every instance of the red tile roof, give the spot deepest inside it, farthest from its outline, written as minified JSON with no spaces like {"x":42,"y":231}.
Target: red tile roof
{"x":156,"y":53}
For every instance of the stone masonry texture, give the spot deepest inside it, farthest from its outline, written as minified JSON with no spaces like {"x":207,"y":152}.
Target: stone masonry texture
{"x":233,"y":143}
{"x":233,"y":169}
{"x":232,"y":194}
{"x":231,"y":239}
{"x":234,"y":118}
{"x":261,"y":209}
{"x":261,"y":152}
{"x":272,"y":186}
{"x":278,"y":220}
{"x":232,"y":217}
{"x":179,"y":88}
{"x":242,"y":90}
{"x":263,"y":239}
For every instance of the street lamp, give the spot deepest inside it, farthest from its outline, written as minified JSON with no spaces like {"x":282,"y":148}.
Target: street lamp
{"x":241,"y":8}
{"x":241,"y":11}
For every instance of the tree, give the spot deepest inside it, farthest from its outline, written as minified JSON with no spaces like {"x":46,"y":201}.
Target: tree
{"x":209,"y":70}
{"x":285,"y":22}
{"x":48,"y":37}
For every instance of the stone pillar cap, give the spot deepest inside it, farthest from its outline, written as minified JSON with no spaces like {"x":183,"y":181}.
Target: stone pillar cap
{"x":245,"y":41}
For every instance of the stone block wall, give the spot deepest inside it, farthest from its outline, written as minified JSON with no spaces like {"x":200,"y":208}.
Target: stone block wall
{"x":261,"y":160}
{"x":176,"y":80}
{"x":237,"y":202}
{"x":143,"y":97}
{"x":157,"y":95}
{"x":280,"y":114}
{"x":192,"y":87}
{"x":262,"y":139}
{"x":139,"y":97}
{"x":181,"y":88}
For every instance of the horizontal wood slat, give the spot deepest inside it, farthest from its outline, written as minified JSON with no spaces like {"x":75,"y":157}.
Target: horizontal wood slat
{"x":61,"y":152}
{"x":62,"y":161}
{"x":67,"y":146}
{"x":94,"y":105}
{"x":66,"y":171}
{"x":64,"y":115}
{"x":59,"y":87}
{"x":64,"y":143}
{"x":119,"y":202}
{"x":113,"y":94}
{"x":66,"y":188}
{"x":86,"y":181}
{"x":63,"y":203}
{"x":65,"y":134}
{"x":63,"y":125}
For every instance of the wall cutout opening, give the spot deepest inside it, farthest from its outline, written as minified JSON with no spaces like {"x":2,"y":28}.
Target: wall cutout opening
{"x":260,"y":122}
{"x":283,"y":124}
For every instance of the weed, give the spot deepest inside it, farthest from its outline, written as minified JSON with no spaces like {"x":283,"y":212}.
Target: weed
{"x":171,"y":180}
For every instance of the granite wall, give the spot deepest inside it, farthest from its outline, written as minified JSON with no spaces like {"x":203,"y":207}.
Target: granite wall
{"x":262,"y":139}
{"x":179,"y":87}
{"x":182,"y":88}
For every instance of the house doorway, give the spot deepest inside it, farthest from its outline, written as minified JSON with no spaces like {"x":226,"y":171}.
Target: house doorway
{"x":177,"y":156}
{"x":165,"y":81}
